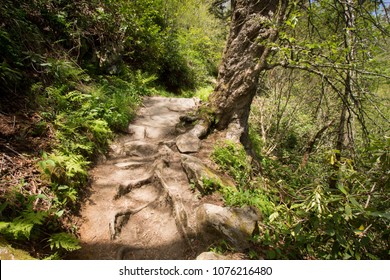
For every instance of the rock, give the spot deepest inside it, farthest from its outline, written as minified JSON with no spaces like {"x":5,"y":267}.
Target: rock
{"x":137,"y":132}
{"x":9,"y":253}
{"x":158,"y":132}
{"x":139,"y":149}
{"x":200,"y":129}
{"x":199,"y":174}
{"x":210,"y":256}
{"x":235,"y":225}
{"x":188,"y":143}
{"x":234,"y":132}
{"x":129,"y":164}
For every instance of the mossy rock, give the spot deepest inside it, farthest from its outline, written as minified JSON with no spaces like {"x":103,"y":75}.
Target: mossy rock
{"x":9,"y":253}
{"x":234,"y":225}
{"x":204,"y":178}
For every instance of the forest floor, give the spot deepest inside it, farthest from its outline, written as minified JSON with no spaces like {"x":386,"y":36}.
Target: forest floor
{"x":142,"y":205}
{"x":21,"y":145}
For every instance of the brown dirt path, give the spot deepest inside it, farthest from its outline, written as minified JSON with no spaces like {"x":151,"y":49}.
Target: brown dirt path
{"x":141,"y":204}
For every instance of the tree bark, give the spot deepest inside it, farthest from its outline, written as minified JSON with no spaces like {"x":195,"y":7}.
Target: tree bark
{"x":345,"y":137}
{"x":253,"y":26}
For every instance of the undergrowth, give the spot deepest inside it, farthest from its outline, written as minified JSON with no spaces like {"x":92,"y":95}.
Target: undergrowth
{"x":302,"y":216}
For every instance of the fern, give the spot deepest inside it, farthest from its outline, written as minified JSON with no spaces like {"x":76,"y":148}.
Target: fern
{"x":22,"y":226}
{"x":3,"y":226}
{"x":64,"y":241}
{"x":74,"y":165}
{"x":53,"y":257}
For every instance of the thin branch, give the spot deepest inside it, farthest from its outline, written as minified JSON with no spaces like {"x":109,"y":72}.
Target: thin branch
{"x":331,"y":84}
{"x":369,"y":196}
{"x":12,"y":150}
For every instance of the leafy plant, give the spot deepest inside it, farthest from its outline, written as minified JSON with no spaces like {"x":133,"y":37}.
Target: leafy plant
{"x":232,"y":158}
{"x":211,"y":185}
{"x":64,"y":241}
{"x":253,"y":197}
{"x":21,"y":226}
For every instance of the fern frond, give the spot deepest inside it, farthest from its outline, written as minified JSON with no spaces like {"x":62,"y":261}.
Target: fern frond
{"x":20,"y":228}
{"x":3,"y":226}
{"x":64,"y":241}
{"x":53,"y":257}
{"x":76,"y":165}
{"x":36,"y":218}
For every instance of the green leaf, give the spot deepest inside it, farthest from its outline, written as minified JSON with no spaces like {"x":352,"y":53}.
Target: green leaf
{"x":41,"y":196}
{"x":299,"y":205}
{"x":297,"y":229}
{"x":60,"y":213}
{"x":348,"y":212}
{"x":273,"y":216}
{"x":385,"y":215}
{"x":3,"y":225}
{"x":64,"y":241}
{"x":20,"y":227}
{"x":342,"y":189}
{"x":354,"y":202}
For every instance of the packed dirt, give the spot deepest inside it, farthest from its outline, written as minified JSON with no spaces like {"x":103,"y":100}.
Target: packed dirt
{"x":141,"y":204}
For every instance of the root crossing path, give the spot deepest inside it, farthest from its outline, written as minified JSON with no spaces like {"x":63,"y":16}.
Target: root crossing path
{"x":141,"y":204}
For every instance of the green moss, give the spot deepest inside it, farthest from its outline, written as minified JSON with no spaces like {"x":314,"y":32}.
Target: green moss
{"x":9,"y":253}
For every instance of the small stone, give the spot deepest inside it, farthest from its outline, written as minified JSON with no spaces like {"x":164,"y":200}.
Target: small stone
{"x":188,"y":143}
{"x":136,"y":132}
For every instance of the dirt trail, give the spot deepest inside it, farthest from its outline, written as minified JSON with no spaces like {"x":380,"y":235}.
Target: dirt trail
{"x":141,"y":204}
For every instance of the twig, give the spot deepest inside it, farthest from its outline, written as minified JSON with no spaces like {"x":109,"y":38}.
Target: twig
{"x":369,"y":196}
{"x":1,"y":166}
{"x":9,"y":148}
{"x":367,"y":228}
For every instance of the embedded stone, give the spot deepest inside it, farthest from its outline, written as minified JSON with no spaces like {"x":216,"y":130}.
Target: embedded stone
{"x":235,"y":225}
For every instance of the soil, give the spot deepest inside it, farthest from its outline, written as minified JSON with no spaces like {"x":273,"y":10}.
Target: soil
{"x":21,"y":145}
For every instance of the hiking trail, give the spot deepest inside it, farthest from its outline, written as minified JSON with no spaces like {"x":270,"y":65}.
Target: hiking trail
{"x":142,"y":204}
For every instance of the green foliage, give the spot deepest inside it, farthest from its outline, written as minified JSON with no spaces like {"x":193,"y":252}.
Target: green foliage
{"x":62,"y":169}
{"x":64,"y":241}
{"x":203,"y":93}
{"x":253,"y":197}
{"x":311,"y":220}
{"x":21,"y":226}
{"x":221,"y":247}
{"x":178,"y":42}
{"x":211,"y":185}
{"x":201,"y":38}
{"x":232,"y":158}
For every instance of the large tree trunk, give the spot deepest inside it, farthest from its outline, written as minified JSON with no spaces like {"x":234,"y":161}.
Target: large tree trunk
{"x":253,"y":26}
